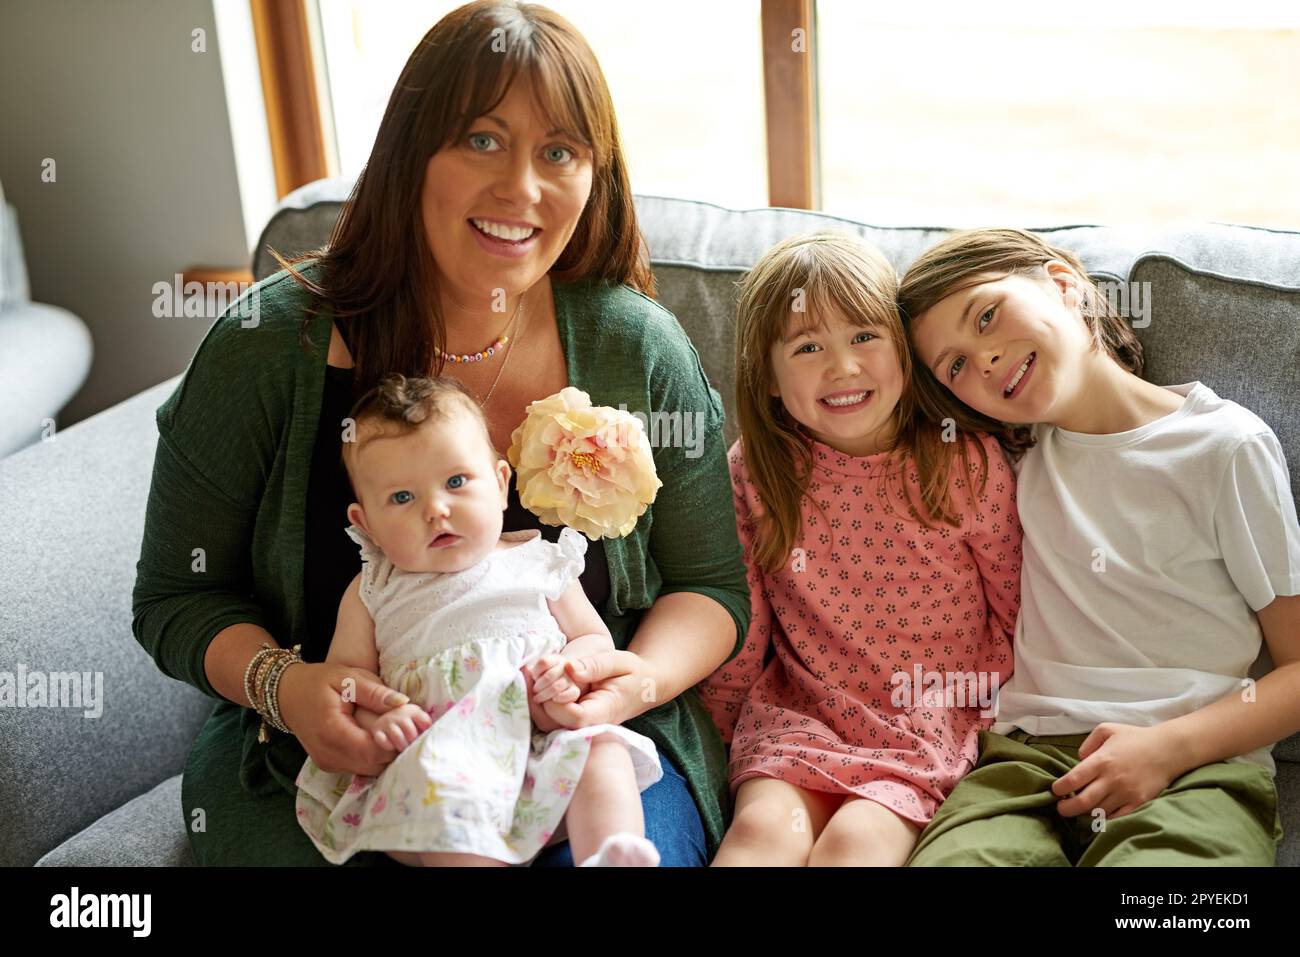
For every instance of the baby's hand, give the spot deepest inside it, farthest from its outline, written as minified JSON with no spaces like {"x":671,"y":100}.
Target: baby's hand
{"x":555,"y":680}
{"x":398,"y":728}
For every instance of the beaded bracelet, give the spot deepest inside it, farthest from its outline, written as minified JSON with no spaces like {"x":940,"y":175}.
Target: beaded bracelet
{"x":272,"y":693}
{"x":262,"y":685}
{"x":254,"y":665}
{"x":270,"y":709}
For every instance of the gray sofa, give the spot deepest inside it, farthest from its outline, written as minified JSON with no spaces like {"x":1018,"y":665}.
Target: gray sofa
{"x":1225,"y":309}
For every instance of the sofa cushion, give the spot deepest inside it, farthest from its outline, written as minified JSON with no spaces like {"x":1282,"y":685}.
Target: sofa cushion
{"x":147,"y":831}
{"x":1239,"y":337}
{"x":1287,"y":783}
{"x":73,"y":521}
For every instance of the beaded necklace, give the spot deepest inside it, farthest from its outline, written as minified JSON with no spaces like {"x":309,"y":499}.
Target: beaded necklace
{"x":491,"y":350}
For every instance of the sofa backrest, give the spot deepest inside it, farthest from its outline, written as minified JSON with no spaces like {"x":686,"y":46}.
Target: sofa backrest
{"x":1224,"y":301}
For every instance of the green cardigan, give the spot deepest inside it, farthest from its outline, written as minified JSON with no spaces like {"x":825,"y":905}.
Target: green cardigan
{"x":230,"y":476}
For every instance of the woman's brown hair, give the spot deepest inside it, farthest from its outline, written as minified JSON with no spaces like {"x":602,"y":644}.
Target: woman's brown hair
{"x":974,"y":256}
{"x":798,"y":280}
{"x":377,"y":275}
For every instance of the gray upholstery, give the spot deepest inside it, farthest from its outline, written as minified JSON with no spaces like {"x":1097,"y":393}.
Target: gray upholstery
{"x":73,"y":513}
{"x":145,"y":832}
{"x":1226,"y":310}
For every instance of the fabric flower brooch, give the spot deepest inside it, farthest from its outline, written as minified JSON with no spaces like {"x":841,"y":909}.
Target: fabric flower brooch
{"x":584,"y":466}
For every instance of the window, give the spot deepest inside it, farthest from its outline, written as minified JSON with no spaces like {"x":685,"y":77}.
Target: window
{"x":935,"y":112}
{"x":970,"y":115}
{"x":686,"y":78}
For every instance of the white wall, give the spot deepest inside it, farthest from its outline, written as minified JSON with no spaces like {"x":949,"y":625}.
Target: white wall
{"x":146,"y":184}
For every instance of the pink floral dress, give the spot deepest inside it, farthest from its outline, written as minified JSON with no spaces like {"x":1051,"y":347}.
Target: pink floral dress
{"x":867,"y":653}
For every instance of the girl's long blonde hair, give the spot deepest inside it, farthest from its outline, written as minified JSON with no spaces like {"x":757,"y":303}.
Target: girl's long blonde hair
{"x":798,"y":280}
{"x":980,"y":255}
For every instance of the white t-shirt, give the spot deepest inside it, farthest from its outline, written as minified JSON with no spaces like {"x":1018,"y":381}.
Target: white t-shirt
{"x":1146,"y":554}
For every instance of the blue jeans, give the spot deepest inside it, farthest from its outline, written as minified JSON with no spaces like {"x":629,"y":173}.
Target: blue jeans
{"x":672,"y":823}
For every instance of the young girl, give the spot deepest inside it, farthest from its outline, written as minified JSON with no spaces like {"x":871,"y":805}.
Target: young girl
{"x":1160,"y":537}
{"x":447,"y":609}
{"x":883,"y":569}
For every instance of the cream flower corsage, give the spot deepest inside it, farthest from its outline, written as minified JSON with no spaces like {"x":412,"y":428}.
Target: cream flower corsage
{"x":584,"y":466}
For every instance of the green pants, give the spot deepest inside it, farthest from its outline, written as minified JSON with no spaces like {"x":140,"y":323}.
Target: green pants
{"x":1004,"y":813}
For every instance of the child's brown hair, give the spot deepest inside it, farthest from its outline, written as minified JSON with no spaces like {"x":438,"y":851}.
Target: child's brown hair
{"x":980,"y":255}
{"x":796,"y":280}
{"x":405,"y":403}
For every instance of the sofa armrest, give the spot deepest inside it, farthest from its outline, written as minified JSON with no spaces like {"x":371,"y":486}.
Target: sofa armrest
{"x":73,"y":514}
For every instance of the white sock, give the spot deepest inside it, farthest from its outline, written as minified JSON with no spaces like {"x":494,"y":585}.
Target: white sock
{"x":624,"y":850}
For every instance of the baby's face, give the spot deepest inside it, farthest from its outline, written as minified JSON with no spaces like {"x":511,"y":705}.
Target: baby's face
{"x":433,"y":498}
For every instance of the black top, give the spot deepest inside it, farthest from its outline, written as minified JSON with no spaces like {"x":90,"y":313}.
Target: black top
{"x":333,"y":559}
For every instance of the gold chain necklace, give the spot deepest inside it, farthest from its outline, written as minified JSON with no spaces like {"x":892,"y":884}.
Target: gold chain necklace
{"x":519,"y":309}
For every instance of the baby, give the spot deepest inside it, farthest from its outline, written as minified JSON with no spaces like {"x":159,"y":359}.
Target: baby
{"x":447,"y":609}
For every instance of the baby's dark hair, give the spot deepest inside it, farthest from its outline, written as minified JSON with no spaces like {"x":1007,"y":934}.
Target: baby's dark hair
{"x":405,"y":403}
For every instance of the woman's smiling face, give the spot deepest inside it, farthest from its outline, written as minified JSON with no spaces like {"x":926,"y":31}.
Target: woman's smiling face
{"x":510,"y":175}
{"x":1009,"y":347}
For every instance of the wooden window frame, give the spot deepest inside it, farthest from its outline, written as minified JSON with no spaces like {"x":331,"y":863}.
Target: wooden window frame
{"x":289,"y":79}
{"x":790,"y":103}
{"x":289,"y":83}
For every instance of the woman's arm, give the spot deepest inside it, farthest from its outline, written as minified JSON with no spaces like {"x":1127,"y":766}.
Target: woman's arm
{"x":193,"y":604}
{"x":193,"y":579}
{"x":702,"y":612}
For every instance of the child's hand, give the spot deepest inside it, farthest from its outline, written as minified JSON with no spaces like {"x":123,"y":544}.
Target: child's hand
{"x":598,"y":706}
{"x":398,"y":728}
{"x":1121,"y":767}
{"x":555,"y":680}
{"x":541,"y":720}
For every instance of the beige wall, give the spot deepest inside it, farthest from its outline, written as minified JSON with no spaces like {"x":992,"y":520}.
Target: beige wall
{"x":146,"y":184}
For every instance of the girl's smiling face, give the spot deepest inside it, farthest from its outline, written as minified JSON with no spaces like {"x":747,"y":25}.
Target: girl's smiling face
{"x":840,"y":381}
{"x":432,"y":498}
{"x":513,"y":175}
{"x":1011,"y":347}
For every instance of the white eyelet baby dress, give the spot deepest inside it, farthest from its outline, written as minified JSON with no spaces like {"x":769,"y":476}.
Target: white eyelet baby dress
{"x":482,"y":780}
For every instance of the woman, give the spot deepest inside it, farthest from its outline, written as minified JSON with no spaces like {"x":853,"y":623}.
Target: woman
{"x":495,"y":210}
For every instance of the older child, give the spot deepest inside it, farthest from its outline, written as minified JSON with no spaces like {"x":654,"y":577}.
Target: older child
{"x":1160,"y":541}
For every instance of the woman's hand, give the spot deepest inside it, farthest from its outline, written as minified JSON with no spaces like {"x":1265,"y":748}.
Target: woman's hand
{"x":313,"y":707}
{"x":618,"y":683}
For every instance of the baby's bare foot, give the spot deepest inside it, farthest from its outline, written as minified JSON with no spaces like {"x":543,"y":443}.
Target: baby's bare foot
{"x":624,"y":850}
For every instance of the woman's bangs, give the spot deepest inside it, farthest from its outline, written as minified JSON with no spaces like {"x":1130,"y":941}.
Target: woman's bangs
{"x":558,"y":96}
{"x":557,"y":102}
